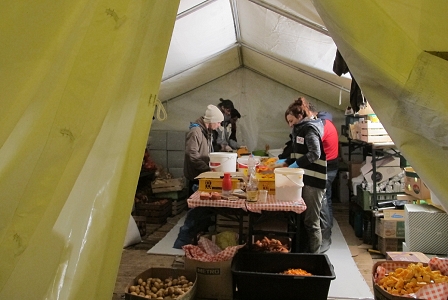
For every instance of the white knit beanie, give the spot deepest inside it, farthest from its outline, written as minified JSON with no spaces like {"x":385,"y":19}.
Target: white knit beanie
{"x":213,"y":115}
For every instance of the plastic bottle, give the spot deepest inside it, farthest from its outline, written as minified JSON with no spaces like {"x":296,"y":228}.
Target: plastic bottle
{"x":252,"y":185}
{"x":226,"y":184}
{"x":251,"y":165}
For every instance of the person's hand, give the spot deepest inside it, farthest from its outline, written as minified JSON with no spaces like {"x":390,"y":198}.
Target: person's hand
{"x":294,"y":165}
{"x":280,"y":163}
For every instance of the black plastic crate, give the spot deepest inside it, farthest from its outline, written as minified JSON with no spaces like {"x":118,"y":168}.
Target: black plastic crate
{"x":257,"y":276}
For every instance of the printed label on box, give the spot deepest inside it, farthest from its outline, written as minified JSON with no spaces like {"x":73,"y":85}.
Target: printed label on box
{"x":394,"y":214}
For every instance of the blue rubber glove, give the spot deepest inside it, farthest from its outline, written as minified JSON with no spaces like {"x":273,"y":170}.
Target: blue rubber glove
{"x":294,"y":165}
{"x":280,"y":161}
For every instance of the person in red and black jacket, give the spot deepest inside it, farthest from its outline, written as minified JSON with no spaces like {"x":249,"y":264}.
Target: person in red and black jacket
{"x":330,"y":141}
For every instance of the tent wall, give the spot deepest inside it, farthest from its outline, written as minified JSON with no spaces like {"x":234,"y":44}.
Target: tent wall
{"x":261,"y":102}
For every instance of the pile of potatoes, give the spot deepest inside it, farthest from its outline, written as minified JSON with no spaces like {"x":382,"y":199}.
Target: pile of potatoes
{"x":156,"y":288}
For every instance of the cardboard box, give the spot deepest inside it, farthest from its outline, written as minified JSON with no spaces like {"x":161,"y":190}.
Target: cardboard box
{"x":407,"y":256}
{"x":386,"y":168}
{"x":415,"y":186}
{"x":389,"y":228}
{"x":394,"y":214}
{"x":410,"y":199}
{"x":214,"y":279}
{"x":386,"y":244}
{"x":426,"y":229}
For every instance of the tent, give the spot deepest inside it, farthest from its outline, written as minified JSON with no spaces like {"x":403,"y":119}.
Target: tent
{"x":82,"y":80}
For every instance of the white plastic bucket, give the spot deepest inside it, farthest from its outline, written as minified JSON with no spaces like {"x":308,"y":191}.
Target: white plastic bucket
{"x":243,"y":163}
{"x":288,"y":184}
{"x":223,"y":161}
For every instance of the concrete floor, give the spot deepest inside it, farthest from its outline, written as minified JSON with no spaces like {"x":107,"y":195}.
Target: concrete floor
{"x":135,"y":259}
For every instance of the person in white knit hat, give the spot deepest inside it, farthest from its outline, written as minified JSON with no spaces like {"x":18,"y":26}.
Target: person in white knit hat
{"x":198,"y":145}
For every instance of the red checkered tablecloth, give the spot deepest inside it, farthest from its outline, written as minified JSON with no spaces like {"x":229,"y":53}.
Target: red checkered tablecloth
{"x":195,"y":201}
{"x":270,"y":205}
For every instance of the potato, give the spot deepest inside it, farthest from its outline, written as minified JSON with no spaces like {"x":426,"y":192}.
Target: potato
{"x":170,"y":290}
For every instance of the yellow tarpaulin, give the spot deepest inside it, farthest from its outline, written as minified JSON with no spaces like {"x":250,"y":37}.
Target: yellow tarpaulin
{"x":79,"y":83}
{"x":387,"y":46}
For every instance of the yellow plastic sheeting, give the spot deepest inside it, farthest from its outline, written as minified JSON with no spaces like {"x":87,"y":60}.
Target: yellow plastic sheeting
{"x":384,"y":44}
{"x":79,"y":82}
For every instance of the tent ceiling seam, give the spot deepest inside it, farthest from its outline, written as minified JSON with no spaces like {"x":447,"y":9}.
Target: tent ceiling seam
{"x":292,"y":17}
{"x":297,"y":68}
{"x":236,"y":24}
{"x":193,"y":9}
{"x":203,"y":61}
{"x":240,"y":45}
{"x":167,"y":100}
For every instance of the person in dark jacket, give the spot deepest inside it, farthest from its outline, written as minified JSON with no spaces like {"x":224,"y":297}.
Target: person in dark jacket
{"x":226,"y":136}
{"x":226,"y":106}
{"x":308,"y":153}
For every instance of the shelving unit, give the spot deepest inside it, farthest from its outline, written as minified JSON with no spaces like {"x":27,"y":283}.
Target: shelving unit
{"x":378,"y":151}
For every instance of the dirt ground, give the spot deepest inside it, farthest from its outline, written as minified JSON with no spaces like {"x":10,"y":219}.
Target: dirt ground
{"x":135,"y":259}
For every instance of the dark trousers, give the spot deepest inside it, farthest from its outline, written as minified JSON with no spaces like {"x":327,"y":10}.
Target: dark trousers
{"x":326,"y":213}
{"x":198,"y":220}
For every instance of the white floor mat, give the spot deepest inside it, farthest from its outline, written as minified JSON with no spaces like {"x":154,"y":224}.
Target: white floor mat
{"x":165,"y":245}
{"x":349,"y":283}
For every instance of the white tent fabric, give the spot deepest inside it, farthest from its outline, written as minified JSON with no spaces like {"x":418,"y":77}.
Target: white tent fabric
{"x":80,"y":81}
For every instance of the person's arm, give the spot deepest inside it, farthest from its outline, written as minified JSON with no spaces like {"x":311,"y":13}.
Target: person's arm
{"x":193,"y":147}
{"x":233,"y":131}
{"x":221,"y":140}
{"x":233,"y":144}
{"x":312,"y":141}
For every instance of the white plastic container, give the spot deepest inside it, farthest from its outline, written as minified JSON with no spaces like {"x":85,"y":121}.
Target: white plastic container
{"x":288,"y":184}
{"x":223,"y":161}
{"x":243,"y":162}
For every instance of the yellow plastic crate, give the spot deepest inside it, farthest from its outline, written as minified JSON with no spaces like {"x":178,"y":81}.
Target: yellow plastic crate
{"x":266,"y":182}
{"x":214,"y":184}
